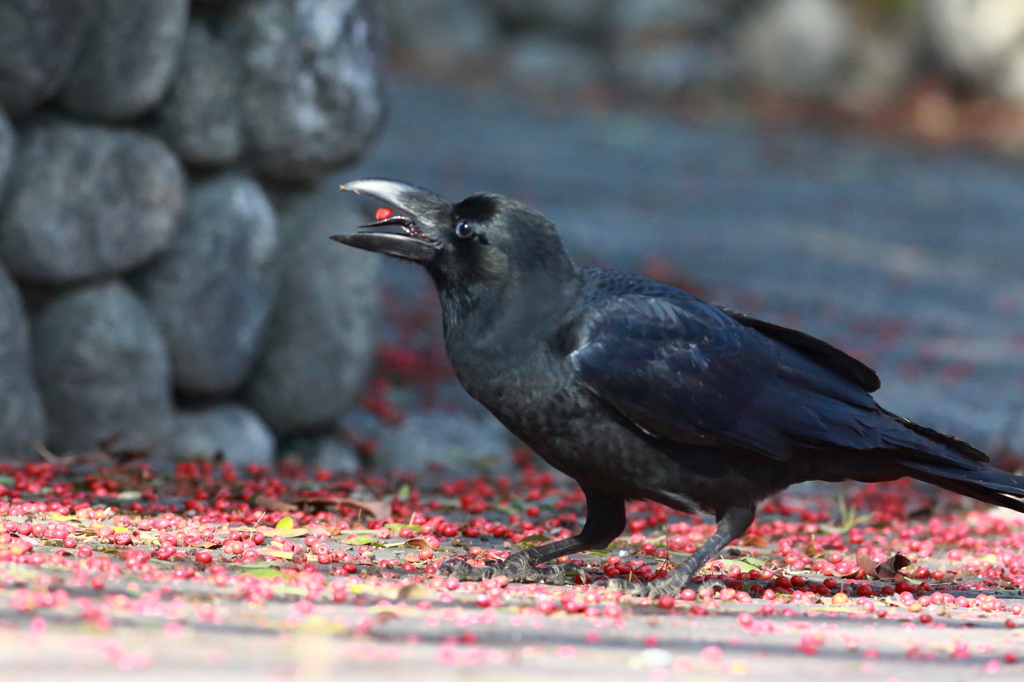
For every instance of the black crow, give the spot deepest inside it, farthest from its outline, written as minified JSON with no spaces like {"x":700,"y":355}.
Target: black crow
{"x":639,"y":390}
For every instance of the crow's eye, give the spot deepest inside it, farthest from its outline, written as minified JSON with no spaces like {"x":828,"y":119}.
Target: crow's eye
{"x":463,"y":230}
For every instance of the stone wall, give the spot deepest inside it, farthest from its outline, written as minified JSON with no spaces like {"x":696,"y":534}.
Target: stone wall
{"x":166,"y":282}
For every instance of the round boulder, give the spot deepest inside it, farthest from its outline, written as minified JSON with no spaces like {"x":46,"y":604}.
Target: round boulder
{"x":87,"y":201}
{"x":6,"y":148}
{"x":103,"y":371}
{"x":312,"y":82}
{"x":38,"y":45}
{"x":126,"y":62}
{"x":320,"y":339}
{"x":22,"y":422}
{"x":981,"y":41}
{"x":797,"y":47}
{"x":231,"y":430}
{"x":460,"y":442}
{"x":200,"y":117}
{"x":212,"y":290}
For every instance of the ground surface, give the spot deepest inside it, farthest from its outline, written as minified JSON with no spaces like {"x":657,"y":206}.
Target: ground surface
{"x":136,"y":572}
{"x":908,"y":258}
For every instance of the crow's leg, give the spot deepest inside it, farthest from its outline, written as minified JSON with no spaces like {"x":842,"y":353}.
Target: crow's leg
{"x":731,"y":524}
{"x":606,"y":518}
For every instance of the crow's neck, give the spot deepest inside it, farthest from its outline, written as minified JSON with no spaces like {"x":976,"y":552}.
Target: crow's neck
{"x":504,"y":321}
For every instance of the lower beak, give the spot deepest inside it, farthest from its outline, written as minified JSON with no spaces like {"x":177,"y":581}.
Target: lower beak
{"x":390,"y":243}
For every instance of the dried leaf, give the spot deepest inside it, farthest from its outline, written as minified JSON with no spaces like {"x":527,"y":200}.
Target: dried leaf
{"x":382,"y":617}
{"x":416,"y":543}
{"x":413,"y":592}
{"x":379,"y":509}
{"x":884,"y":570}
{"x":272,"y":504}
{"x":891,"y":567}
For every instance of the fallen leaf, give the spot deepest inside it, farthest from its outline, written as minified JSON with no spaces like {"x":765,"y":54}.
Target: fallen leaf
{"x":416,"y":543}
{"x":272,"y":504}
{"x":379,"y":509}
{"x":413,"y":592}
{"x":382,"y":617}
{"x":287,"y":523}
{"x":884,"y":570}
{"x":531,"y":540}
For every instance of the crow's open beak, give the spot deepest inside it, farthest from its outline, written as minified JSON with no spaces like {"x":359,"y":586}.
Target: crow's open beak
{"x":410,"y":232}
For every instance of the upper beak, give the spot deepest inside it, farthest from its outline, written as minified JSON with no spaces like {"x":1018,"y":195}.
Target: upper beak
{"x":410,"y":232}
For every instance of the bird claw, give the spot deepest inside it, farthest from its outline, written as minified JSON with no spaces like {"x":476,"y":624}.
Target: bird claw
{"x":665,"y":586}
{"x":516,"y":568}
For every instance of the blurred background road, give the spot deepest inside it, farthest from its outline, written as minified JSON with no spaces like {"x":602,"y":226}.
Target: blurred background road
{"x":908,"y":257}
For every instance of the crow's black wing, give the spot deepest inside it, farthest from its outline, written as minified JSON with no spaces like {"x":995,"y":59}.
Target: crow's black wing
{"x":685,"y":370}
{"x":815,"y":349}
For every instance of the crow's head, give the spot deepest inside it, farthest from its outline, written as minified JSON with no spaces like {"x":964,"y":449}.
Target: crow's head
{"x":485,"y":239}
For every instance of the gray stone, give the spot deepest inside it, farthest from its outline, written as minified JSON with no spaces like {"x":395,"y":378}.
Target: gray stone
{"x":212,"y":290}
{"x":886,"y":54}
{"x":320,"y":339}
{"x":797,"y":47}
{"x":544,"y":64}
{"x":200,"y":117}
{"x":1010,"y":83}
{"x":87,"y":201}
{"x":312,"y":85}
{"x":974,"y":37}
{"x":445,"y":34}
{"x":39,"y":42}
{"x":335,"y":455}
{"x":7,"y":143}
{"x":660,"y":69}
{"x":652,"y":18}
{"x":103,"y":371}
{"x":578,"y":17}
{"x":662,"y":46}
{"x":458,"y":441}
{"x":127,"y":59}
{"x":231,"y":430}
{"x":326,"y":451}
{"x":22,"y":422}
{"x":982,"y":41}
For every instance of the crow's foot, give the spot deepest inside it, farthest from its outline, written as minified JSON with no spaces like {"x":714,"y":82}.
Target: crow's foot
{"x":668,"y":585}
{"x":516,"y":568}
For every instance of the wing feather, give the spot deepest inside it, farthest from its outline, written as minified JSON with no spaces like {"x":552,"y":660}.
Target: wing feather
{"x":684,"y":370}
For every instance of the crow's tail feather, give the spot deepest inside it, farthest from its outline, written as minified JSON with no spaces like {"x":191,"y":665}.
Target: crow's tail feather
{"x":933,"y":437}
{"x":950,"y":463}
{"x":976,"y":480}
